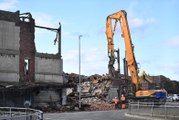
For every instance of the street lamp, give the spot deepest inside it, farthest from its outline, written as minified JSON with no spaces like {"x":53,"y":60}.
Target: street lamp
{"x":79,"y":70}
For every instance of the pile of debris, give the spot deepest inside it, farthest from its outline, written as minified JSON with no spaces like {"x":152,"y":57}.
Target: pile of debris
{"x":94,"y":91}
{"x":98,"y":106}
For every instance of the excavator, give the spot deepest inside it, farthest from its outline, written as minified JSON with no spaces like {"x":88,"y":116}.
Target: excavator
{"x":130,"y":88}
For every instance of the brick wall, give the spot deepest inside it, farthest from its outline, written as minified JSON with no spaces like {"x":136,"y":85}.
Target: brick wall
{"x":27,"y":50}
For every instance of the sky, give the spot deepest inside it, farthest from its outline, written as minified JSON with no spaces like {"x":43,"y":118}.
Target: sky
{"x":153,"y":25}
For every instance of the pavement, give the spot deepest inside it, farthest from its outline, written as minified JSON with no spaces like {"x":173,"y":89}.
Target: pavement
{"x":92,"y":115}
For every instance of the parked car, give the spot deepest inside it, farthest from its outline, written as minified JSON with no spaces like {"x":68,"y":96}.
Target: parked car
{"x":175,"y":97}
{"x":178,"y":96}
{"x":169,"y":98}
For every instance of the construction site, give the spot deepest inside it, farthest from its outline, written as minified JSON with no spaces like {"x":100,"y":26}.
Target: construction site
{"x":36,"y":79}
{"x":30,"y":79}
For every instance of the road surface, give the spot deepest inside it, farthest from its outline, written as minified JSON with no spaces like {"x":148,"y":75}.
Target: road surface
{"x":94,"y":115}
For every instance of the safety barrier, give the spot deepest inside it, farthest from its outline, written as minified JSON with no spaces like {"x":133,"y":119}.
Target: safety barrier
{"x":151,"y":109}
{"x":14,"y":113}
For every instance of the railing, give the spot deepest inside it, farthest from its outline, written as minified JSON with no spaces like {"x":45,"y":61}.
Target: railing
{"x":151,"y":109}
{"x":14,"y":113}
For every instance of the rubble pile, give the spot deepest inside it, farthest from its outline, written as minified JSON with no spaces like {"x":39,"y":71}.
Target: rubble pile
{"x":98,"y":106}
{"x":94,"y":90}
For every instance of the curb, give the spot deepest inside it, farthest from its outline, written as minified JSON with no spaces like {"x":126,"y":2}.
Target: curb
{"x":143,"y":117}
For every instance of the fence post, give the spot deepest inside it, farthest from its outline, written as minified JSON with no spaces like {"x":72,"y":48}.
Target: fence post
{"x":152,"y":109}
{"x":10,"y":112}
{"x":165,"y":112}
{"x":129,"y":107}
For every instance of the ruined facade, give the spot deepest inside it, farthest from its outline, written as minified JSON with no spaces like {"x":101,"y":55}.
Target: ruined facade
{"x":19,"y":61}
{"x":26,"y":74}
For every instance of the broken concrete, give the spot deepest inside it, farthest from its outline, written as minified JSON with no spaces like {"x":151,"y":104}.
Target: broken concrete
{"x":94,"y":92}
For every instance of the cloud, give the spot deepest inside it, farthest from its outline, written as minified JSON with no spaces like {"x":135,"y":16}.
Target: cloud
{"x":170,"y":70}
{"x":87,"y":56}
{"x":173,"y":42}
{"x":172,"y":67}
{"x":94,"y":55}
{"x":131,"y":9}
{"x":145,"y":62}
{"x":43,"y":19}
{"x":92,"y":69}
{"x":93,"y":60}
{"x":46,"y":20}
{"x":71,"y":56}
{"x":8,"y":4}
{"x":136,"y":22}
{"x":141,"y":23}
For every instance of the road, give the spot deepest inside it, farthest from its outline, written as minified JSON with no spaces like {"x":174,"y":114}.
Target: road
{"x":95,"y":115}
{"x":109,"y":115}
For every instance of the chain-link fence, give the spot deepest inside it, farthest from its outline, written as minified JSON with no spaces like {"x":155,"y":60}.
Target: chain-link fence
{"x":14,"y":113}
{"x":151,"y":109}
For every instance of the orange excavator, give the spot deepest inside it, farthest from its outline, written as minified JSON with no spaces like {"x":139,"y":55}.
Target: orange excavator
{"x":134,"y":89}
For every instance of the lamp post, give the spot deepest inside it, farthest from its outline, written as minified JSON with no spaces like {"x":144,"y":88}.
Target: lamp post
{"x":79,"y":70}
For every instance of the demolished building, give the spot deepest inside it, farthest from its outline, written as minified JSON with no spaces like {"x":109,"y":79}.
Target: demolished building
{"x":25,"y":74}
{"x":29,"y":78}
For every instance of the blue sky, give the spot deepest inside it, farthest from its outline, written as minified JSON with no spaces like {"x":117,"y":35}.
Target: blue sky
{"x":153,"y":25}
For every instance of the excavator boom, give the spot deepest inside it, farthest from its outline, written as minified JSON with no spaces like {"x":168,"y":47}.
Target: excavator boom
{"x":135,"y":93}
{"x":121,"y":17}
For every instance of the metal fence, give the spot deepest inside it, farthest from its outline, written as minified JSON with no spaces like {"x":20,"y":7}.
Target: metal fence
{"x":14,"y":113}
{"x":168,"y":110}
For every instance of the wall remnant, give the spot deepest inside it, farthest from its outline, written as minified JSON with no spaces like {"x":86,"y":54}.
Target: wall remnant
{"x":9,"y":46}
{"x":48,"y":68}
{"x":20,"y":61}
{"x":24,"y":73}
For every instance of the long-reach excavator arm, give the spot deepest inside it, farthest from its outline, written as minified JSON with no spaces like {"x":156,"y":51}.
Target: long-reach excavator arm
{"x":154,"y":94}
{"x":121,"y":17}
